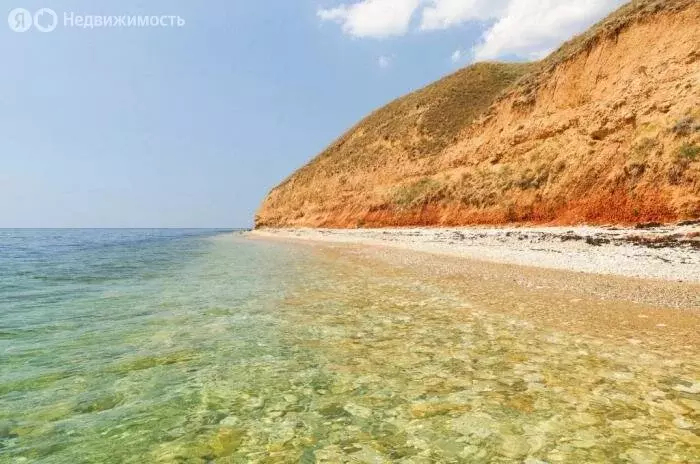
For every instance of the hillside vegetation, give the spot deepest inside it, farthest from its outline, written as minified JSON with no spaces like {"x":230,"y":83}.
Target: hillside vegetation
{"x":604,"y":130}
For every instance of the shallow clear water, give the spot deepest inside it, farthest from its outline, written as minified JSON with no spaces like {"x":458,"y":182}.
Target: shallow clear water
{"x":192,"y":346}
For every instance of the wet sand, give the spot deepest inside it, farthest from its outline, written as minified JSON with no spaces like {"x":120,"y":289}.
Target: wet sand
{"x":659,"y":312}
{"x":605,"y":306}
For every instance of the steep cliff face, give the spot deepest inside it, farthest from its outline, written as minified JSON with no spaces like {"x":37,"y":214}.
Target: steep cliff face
{"x":606,"y":129}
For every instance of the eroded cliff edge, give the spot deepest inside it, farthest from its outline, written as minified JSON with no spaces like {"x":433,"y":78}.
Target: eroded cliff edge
{"x":605,"y":130}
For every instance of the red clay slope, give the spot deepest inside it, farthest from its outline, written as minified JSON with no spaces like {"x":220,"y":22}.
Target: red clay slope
{"x":605,"y":130}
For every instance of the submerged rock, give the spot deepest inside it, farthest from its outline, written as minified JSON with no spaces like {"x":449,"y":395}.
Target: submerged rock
{"x":514,"y":447}
{"x":96,"y":402}
{"x":226,"y":442}
{"x":479,"y":425}
{"x":426,"y":410}
{"x":358,"y":411}
{"x":7,"y":430}
{"x":641,"y":456}
{"x":683,"y":423}
{"x":692,"y":388}
{"x":584,"y":418}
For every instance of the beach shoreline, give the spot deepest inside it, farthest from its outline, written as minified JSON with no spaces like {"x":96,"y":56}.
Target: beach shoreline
{"x":666,"y":253}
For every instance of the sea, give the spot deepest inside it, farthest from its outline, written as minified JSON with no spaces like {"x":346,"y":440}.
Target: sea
{"x":206,"y":346}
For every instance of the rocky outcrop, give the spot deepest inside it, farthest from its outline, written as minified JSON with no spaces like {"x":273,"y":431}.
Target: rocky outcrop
{"x":605,"y":130}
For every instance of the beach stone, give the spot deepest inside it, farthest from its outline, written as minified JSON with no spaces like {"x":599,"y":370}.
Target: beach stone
{"x":368,"y":456}
{"x":92,"y":402}
{"x":479,"y":426}
{"x":671,"y":407}
{"x":331,"y":453}
{"x":230,"y":421}
{"x":284,"y":432}
{"x":449,"y":447}
{"x":7,"y":430}
{"x":533,"y":378}
{"x":556,"y":456}
{"x":542,"y":404}
{"x":693,"y":389}
{"x":692,"y":404}
{"x":334,"y":411}
{"x":425,"y":410}
{"x":514,"y":447}
{"x":255,"y":403}
{"x":639,"y":456}
{"x":657,"y":394}
{"x":689,"y":438}
{"x":537,"y":442}
{"x":683,"y":424}
{"x":474,"y":453}
{"x":358,"y":411}
{"x":226,"y":442}
{"x":621,"y":376}
{"x":585,"y":418}
{"x":584,"y":444}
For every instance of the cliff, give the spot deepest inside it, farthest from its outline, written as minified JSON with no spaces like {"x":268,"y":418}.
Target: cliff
{"x":604,"y":130}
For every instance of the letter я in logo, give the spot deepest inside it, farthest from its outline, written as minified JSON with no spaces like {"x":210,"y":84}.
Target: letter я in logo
{"x":19,"y":20}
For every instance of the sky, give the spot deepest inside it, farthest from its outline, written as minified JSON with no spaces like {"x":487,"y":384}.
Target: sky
{"x":191,"y":126}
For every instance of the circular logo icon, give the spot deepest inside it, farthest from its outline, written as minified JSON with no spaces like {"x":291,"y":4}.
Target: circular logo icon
{"x":45,"y":20}
{"x":20,"y":20}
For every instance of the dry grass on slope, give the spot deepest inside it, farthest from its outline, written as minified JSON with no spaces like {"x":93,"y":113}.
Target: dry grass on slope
{"x":419,"y":125}
{"x":610,"y":27}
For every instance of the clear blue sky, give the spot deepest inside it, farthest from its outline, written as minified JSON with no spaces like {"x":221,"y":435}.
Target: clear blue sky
{"x":191,"y":126}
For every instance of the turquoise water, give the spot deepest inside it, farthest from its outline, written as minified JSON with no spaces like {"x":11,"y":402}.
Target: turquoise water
{"x":197,"y":346}
{"x":108,"y":339}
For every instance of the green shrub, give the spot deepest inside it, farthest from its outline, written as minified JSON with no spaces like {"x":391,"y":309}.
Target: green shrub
{"x":686,"y":154}
{"x":635,"y":168}
{"x":417,"y":193}
{"x":689,"y":152}
{"x":685,"y":126}
{"x":645,"y":146}
{"x":533,"y":178}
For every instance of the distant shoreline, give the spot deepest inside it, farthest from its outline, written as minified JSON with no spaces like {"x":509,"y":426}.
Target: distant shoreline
{"x":669,"y":253}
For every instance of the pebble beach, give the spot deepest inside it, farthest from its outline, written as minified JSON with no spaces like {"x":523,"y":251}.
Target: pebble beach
{"x":670,"y":253}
